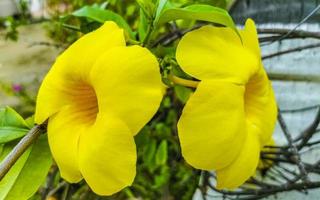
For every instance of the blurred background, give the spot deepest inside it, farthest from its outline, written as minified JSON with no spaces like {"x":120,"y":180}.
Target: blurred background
{"x":32,"y":35}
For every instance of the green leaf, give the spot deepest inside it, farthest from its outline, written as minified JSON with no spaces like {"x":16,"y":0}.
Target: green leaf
{"x":182,"y":93}
{"x":9,"y":117}
{"x":12,"y":125}
{"x":100,"y":15}
{"x":143,"y":137}
{"x":149,"y":153}
{"x":1,"y":149}
{"x":8,"y":133}
{"x":160,"y":6}
{"x":163,"y":178}
{"x":30,"y":121}
{"x":195,"y":12}
{"x":162,"y":153}
{"x":143,"y":25}
{"x":217,"y":3}
{"x":28,"y":173}
{"x":147,"y":7}
{"x":8,"y":181}
{"x":163,"y":130}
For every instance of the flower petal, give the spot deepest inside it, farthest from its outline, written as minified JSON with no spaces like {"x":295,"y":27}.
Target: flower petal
{"x":244,"y":166}
{"x":212,"y":121}
{"x":72,"y":66}
{"x":107,"y":156}
{"x":260,"y":105}
{"x":216,"y":53}
{"x":64,"y":131}
{"x":128,"y":84}
{"x":250,"y":37}
{"x":80,"y":56}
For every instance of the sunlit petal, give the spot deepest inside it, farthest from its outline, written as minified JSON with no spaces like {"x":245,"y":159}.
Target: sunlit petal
{"x":250,"y":38}
{"x":244,"y":166}
{"x":216,"y":53}
{"x":213,"y":121}
{"x":128,"y":85}
{"x":107,"y":156}
{"x":72,"y":66}
{"x":64,"y":131}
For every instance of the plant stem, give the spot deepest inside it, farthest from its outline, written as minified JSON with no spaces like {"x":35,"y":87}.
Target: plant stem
{"x":294,"y":77}
{"x":183,"y":82}
{"x":272,"y":76}
{"x":20,"y":148}
{"x":279,"y":32}
{"x":310,"y":46}
{"x":297,"y":158}
{"x":148,"y":34}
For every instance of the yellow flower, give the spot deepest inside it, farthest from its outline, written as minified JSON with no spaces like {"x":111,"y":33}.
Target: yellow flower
{"x":97,"y":96}
{"x":233,"y":111}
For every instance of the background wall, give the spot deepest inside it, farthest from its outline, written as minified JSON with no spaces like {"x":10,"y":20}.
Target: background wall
{"x":291,"y":95}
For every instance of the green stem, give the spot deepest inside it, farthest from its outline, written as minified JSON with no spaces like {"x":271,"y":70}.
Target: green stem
{"x":146,"y":39}
{"x":183,"y":82}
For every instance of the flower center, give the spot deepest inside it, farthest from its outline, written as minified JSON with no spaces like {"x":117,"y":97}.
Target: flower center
{"x":85,"y":103}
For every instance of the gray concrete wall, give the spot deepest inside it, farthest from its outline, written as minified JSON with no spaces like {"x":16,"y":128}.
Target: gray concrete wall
{"x":274,"y":11}
{"x":289,"y":94}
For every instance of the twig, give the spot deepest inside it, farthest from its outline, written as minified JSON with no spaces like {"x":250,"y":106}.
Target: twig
{"x":294,"y":33}
{"x":299,"y":24}
{"x":20,"y":148}
{"x":300,"y":109}
{"x":276,"y":159}
{"x":279,"y":32}
{"x":282,"y":175}
{"x":313,"y":143}
{"x":310,"y":46}
{"x":294,"y":77}
{"x":49,"y":184}
{"x":272,"y":190}
{"x":308,"y":132}
{"x":56,"y":189}
{"x":46,"y":44}
{"x":172,"y":36}
{"x":297,"y":158}
{"x":293,"y":173}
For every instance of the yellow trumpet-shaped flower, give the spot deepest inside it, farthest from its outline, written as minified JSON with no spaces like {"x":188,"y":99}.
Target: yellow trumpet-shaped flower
{"x":97,"y":96}
{"x":232,"y":113}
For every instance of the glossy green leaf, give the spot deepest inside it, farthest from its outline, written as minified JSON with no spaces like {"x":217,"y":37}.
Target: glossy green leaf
{"x":9,"y":117}
{"x":28,"y":173}
{"x":8,"y":133}
{"x":162,"y":153}
{"x":9,"y":180}
{"x":100,"y":15}
{"x":195,"y":12}
{"x":12,"y":125}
